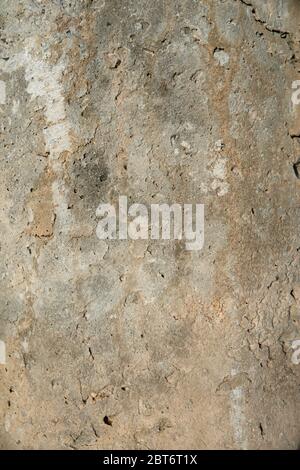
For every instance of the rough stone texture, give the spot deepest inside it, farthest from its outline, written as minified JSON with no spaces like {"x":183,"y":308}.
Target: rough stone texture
{"x":163,"y":101}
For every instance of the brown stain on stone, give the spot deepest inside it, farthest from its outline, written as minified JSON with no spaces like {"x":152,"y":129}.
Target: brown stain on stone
{"x":42,"y":207}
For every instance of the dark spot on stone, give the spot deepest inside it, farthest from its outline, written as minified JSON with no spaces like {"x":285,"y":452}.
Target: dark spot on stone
{"x":107,"y":420}
{"x":90,"y":175}
{"x":296,"y":168}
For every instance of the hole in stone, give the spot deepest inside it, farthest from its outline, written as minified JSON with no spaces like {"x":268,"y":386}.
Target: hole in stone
{"x":107,"y":420}
{"x":296,"y":168}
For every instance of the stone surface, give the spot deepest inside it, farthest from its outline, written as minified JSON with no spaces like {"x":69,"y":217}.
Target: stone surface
{"x":142,"y":344}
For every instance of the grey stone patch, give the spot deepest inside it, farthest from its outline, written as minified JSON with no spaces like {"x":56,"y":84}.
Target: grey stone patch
{"x":221,"y":57}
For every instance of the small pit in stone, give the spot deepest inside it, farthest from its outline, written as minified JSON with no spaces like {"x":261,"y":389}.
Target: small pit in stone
{"x":296,"y":168}
{"x":107,"y":421}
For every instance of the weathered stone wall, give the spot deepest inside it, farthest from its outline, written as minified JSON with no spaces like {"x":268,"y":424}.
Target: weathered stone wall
{"x":184,"y":101}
